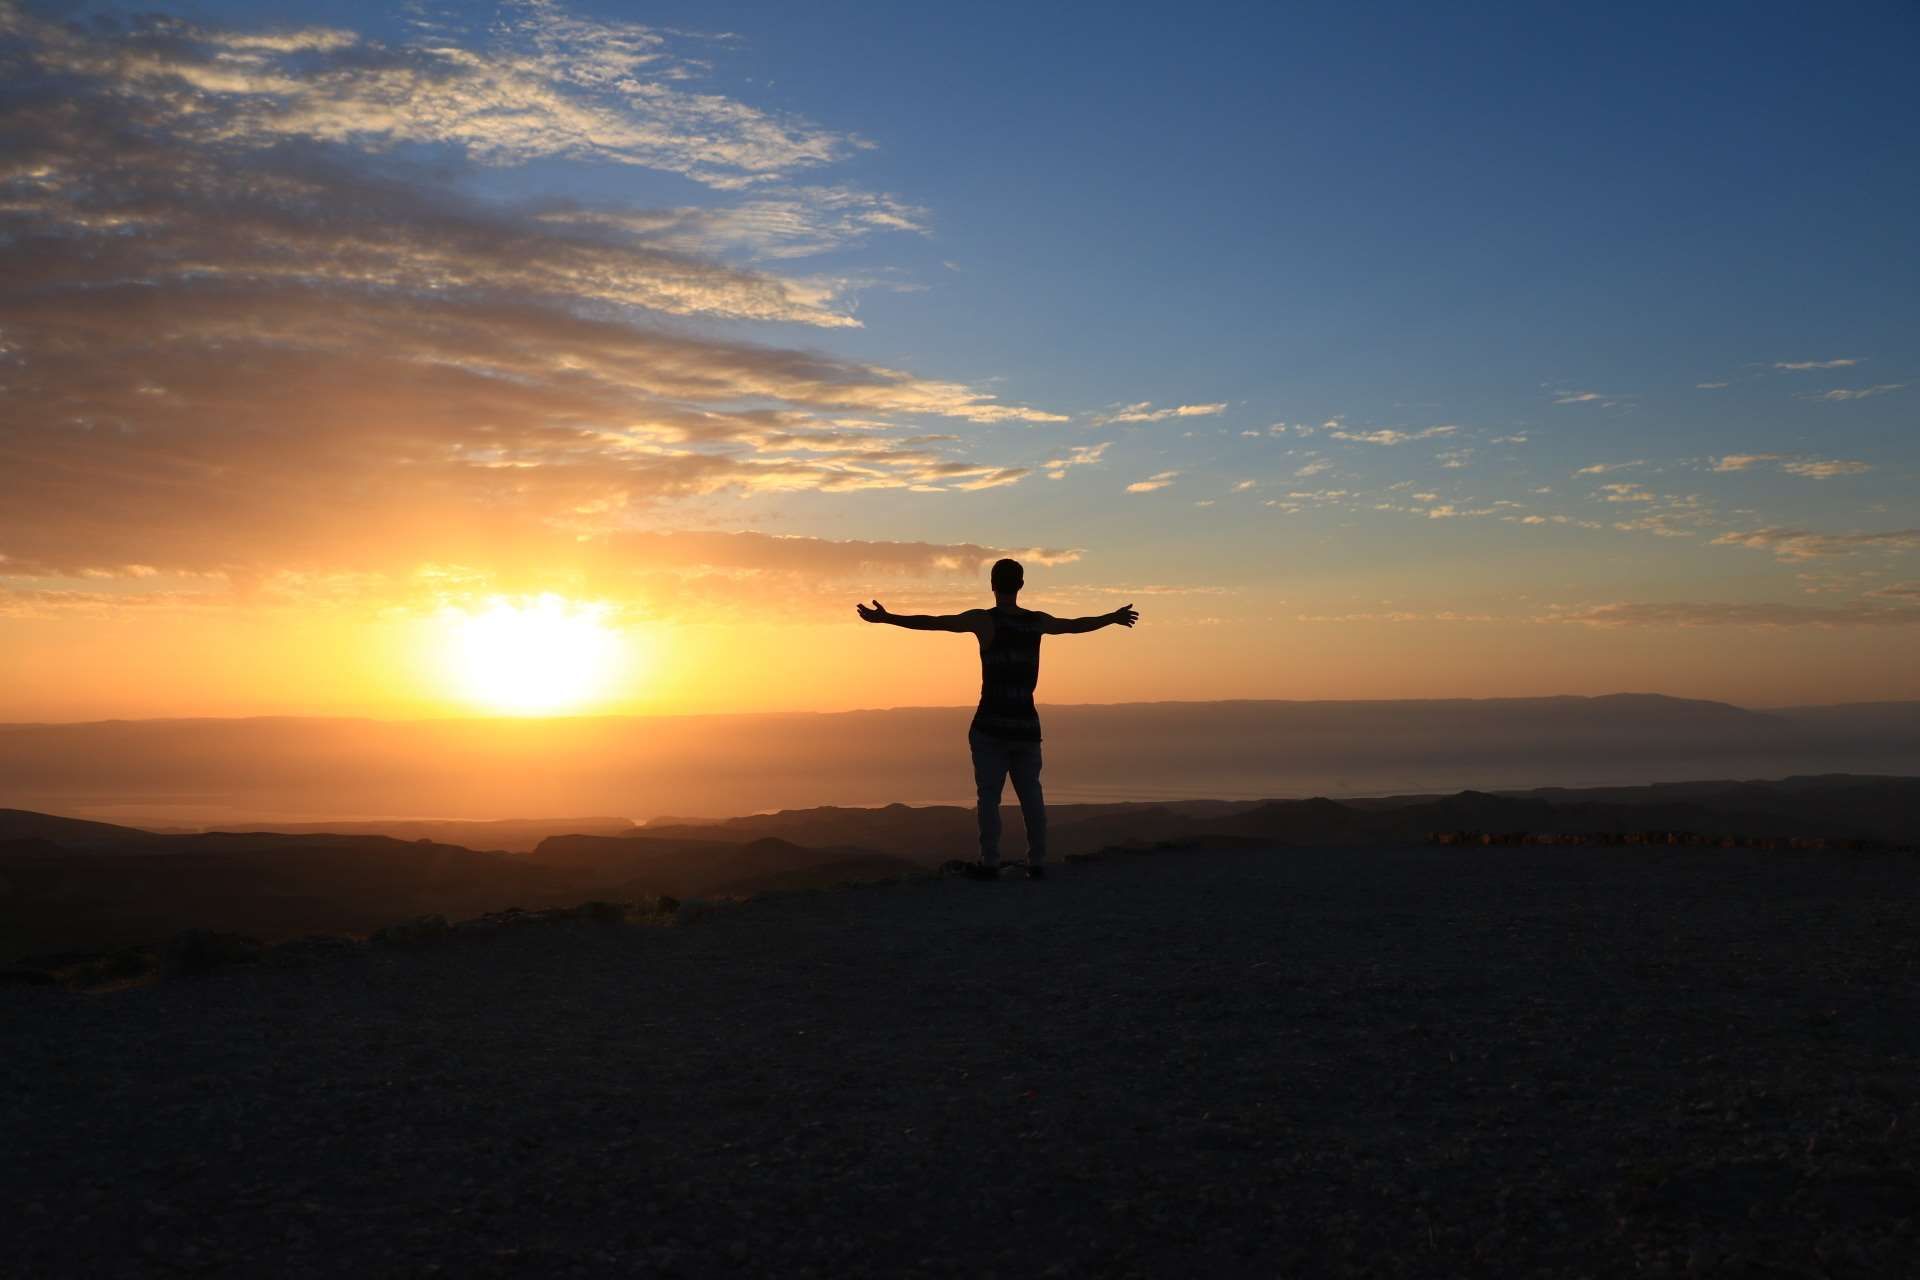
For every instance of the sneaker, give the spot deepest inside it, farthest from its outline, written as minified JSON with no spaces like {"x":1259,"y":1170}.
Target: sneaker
{"x":1036,"y":872}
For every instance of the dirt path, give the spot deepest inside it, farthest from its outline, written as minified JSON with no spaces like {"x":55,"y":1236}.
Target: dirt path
{"x":1339,"y":1062}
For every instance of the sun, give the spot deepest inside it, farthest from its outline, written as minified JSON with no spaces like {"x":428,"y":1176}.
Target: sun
{"x":534,"y":656}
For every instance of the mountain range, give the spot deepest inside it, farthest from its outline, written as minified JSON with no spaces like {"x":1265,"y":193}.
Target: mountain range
{"x":310,"y":774}
{"x":70,"y":884}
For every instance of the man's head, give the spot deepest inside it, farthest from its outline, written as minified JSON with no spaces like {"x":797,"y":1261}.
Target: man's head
{"x":1007,"y":577}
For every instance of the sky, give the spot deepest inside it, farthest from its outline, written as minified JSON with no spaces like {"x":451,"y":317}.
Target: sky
{"x":417,"y":360}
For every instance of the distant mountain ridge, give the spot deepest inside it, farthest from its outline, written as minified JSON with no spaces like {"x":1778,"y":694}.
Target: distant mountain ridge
{"x":67,"y":883}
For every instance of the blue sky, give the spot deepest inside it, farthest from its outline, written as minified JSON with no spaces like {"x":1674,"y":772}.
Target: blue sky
{"x":1582,"y":319}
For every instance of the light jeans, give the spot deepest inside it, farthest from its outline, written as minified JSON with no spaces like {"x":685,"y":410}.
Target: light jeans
{"x":994,"y":759}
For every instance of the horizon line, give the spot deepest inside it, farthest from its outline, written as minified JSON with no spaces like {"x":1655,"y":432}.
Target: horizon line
{"x":958,"y":708}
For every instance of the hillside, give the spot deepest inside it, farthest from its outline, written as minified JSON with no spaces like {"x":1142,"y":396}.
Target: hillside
{"x":1310,"y":1062}
{"x":82,"y":885}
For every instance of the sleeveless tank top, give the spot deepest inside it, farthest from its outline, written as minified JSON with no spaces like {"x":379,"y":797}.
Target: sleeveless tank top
{"x":1009,"y":670}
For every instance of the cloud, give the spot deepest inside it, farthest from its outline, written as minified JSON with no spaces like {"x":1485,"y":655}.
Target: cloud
{"x":1602,"y":468}
{"x":1508,"y":440}
{"x":1605,"y":399}
{"x":1553,"y":519}
{"x":1802,"y":365}
{"x":547,"y":85}
{"x":1080,"y":455}
{"x":1795,"y":545}
{"x":1710,"y":386}
{"x":244,"y":339}
{"x":1143,"y":411}
{"x":1749,"y":615}
{"x":992,"y":478}
{"x":1813,"y":468}
{"x":815,"y":558}
{"x":1387,"y":436}
{"x":1242,"y":486}
{"x":1318,"y":466}
{"x":98,"y":203}
{"x":1743,"y":461}
{"x":1660,"y":524}
{"x":778,"y":223}
{"x":1397,"y":616}
{"x":1841,"y":393}
{"x":1159,"y":480}
{"x":1626,"y":493}
{"x":1897,"y":591}
{"x":1825,"y":469}
{"x":681,"y":573}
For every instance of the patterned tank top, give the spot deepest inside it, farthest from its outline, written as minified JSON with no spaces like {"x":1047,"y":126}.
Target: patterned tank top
{"x":1009,"y":670}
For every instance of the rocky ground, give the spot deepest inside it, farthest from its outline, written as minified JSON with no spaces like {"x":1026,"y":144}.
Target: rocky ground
{"x":1393,"y":1062}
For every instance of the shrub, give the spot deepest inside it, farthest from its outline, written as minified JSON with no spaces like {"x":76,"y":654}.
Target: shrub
{"x":421,"y":929}
{"x":203,"y":951}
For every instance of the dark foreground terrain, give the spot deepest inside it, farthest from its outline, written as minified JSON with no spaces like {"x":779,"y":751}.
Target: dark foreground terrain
{"x":1366,"y":1062}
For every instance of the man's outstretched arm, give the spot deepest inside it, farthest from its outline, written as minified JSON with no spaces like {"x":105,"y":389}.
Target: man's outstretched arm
{"x":971,"y":620}
{"x":1124,"y":616}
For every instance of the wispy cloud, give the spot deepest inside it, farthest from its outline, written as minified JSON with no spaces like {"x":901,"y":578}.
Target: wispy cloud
{"x":1711,"y":386}
{"x":1661,"y":524}
{"x":1319,"y":466}
{"x":1143,"y":411}
{"x":1825,"y":468}
{"x":651,"y":575}
{"x":1744,"y":461}
{"x":547,"y":84}
{"x":1158,"y":480}
{"x":1604,"y":468}
{"x":1605,"y":399}
{"x":1387,"y":436}
{"x":1626,"y":493}
{"x":990,"y":478}
{"x":1800,"y":366}
{"x":1396,"y":615}
{"x":1080,"y":455}
{"x":244,"y":338}
{"x":1813,"y":468}
{"x":781,"y":223}
{"x":1689,"y":614}
{"x":1794,"y":545}
{"x":818,"y":558}
{"x":1861,"y":393}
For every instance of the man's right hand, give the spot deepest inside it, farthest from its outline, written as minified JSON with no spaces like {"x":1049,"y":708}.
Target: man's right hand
{"x":1125,"y":615}
{"x":878,"y":613}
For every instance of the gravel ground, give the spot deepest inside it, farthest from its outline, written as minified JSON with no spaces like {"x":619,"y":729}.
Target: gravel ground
{"x":1394,"y":1062}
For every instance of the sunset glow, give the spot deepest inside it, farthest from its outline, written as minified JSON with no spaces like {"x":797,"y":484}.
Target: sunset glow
{"x":536,"y":657}
{"x":316,"y":317}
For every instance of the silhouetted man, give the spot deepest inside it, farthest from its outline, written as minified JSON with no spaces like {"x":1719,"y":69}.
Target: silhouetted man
{"x":1005,"y":735}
